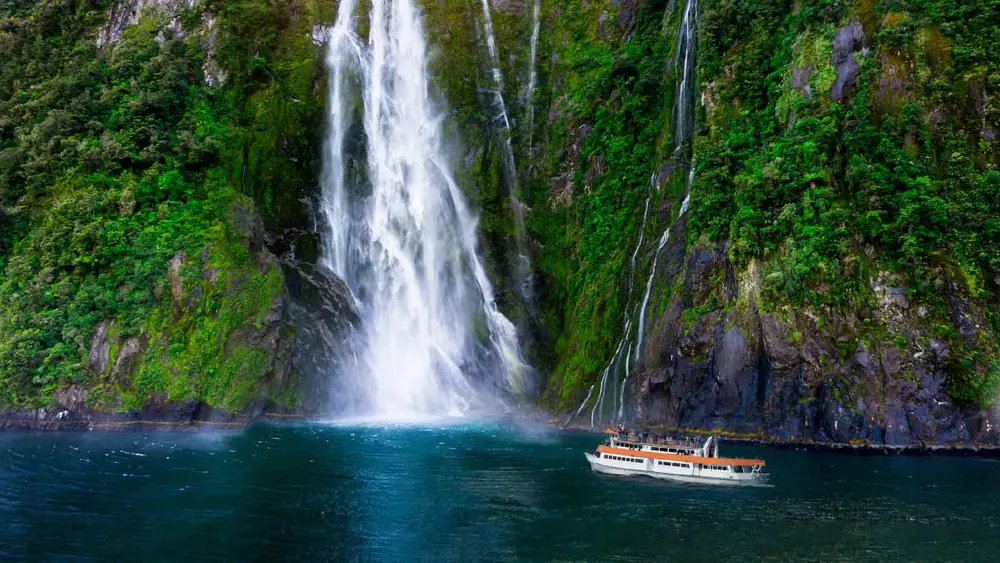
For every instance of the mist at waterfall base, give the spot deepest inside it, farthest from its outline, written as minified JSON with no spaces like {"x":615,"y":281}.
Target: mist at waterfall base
{"x":431,"y":341}
{"x":467,"y":492}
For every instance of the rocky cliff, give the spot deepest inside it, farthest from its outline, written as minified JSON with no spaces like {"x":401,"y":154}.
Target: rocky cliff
{"x":831,"y":280}
{"x":157,"y":253}
{"x":834,"y":276}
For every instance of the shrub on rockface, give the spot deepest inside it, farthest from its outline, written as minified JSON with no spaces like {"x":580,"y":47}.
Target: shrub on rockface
{"x":117,"y":158}
{"x":893,"y":172}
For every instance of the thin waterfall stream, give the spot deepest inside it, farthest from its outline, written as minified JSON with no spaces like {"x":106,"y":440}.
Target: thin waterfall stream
{"x":522,"y":262}
{"x":402,"y":236}
{"x":529,"y":97}
{"x":683,"y":121}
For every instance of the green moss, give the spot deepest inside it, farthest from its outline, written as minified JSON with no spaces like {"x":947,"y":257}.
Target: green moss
{"x":133,"y":159}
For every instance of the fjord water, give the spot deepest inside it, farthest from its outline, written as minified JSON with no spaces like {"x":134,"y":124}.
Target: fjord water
{"x":487,"y":491}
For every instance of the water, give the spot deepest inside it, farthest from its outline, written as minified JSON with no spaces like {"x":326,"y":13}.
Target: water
{"x":529,"y":97}
{"x":522,"y":263}
{"x":401,"y":234}
{"x":475,"y":492}
{"x":683,"y":120}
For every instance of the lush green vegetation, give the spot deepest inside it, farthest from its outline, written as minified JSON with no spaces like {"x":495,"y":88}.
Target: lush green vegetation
{"x":617,"y":93}
{"x":898,"y":176}
{"x":901,"y":175}
{"x":114,"y":159}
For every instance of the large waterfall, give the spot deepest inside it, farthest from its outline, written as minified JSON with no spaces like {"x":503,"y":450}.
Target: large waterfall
{"x":683,"y":130}
{"x":432,"y":341}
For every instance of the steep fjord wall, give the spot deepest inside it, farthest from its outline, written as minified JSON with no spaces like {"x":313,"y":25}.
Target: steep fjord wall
{"x":154,"y":240}
{"x":836,"y":276}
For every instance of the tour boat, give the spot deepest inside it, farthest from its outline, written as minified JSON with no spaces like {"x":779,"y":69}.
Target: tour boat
{"x":628,"y":453}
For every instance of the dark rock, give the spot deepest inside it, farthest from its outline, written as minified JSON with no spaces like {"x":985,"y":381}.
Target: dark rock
{"x":940,"y":350}
{"x":897,"y":426}
{"x":890,"y":358}
{"x":322,"y":314}
{"x":864,"y":360}
{"x":128,"y":359}
{"x":847,"y":41}
{"x":72,"y":398}
{"x":835,"y":420}
{"x":100,"y":349}
{"x":984,"y":428}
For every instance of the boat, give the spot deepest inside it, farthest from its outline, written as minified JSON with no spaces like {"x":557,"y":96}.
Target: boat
{"x":685,"y":460}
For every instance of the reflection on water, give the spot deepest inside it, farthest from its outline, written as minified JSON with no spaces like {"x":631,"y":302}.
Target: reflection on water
{"x":467,"y":492}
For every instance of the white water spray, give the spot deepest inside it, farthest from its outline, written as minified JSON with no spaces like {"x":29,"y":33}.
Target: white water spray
{"x":403,"y":238}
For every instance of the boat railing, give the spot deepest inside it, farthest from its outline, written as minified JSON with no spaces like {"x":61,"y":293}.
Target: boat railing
{"x":632,"y":438}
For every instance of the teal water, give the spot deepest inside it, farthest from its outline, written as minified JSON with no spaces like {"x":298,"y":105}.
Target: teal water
{"x":476,"y":492}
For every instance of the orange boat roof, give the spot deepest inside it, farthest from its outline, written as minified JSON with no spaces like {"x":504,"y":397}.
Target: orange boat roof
{"x":681,"y":457}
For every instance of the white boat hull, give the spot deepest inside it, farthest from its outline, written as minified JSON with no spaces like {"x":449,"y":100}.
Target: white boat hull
{"x":599,"y":466}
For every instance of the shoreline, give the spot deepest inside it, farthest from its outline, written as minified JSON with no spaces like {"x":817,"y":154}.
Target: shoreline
{"x":124,"y":422}
{"x":959,"y":449}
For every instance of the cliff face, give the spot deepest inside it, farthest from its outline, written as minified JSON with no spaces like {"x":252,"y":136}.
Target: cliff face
{"x":159,"y":159}
{"x":831,"y":280}
{"x":834,"y":276}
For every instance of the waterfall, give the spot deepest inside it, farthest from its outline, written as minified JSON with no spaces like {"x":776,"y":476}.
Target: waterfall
{"x":522,"y":267}
{"x":343,"y":46}
{"x":683,"y":118}
{"x":652,"y":272}
{"x":683,"y":132}
{"x":529,"y":97}
{"x":626,"y":321}
{"x":402,"y":235}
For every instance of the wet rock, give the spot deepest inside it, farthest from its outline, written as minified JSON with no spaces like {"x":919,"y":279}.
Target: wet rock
{"x":984,"y":428}
{"x":128,"y":359}
{"x":100,"y":349}
{"x":174,"y":273}
{"x":897,"y":426}
{"x":127,"y":13}
{"x":71,"y":399}
{"x":835,"y":420}
{"x":891,"y":358}
{"x":322,"y":315}
{"x":847,"y":41}
{"x":782,"y":354}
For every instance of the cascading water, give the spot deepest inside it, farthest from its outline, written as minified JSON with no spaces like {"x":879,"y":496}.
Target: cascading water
{"x":683,"y":116}
{"x":402,"y":236}
{"x":529,"y":97}
{"x":522,"y":266}
{"x":626,"y":320}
